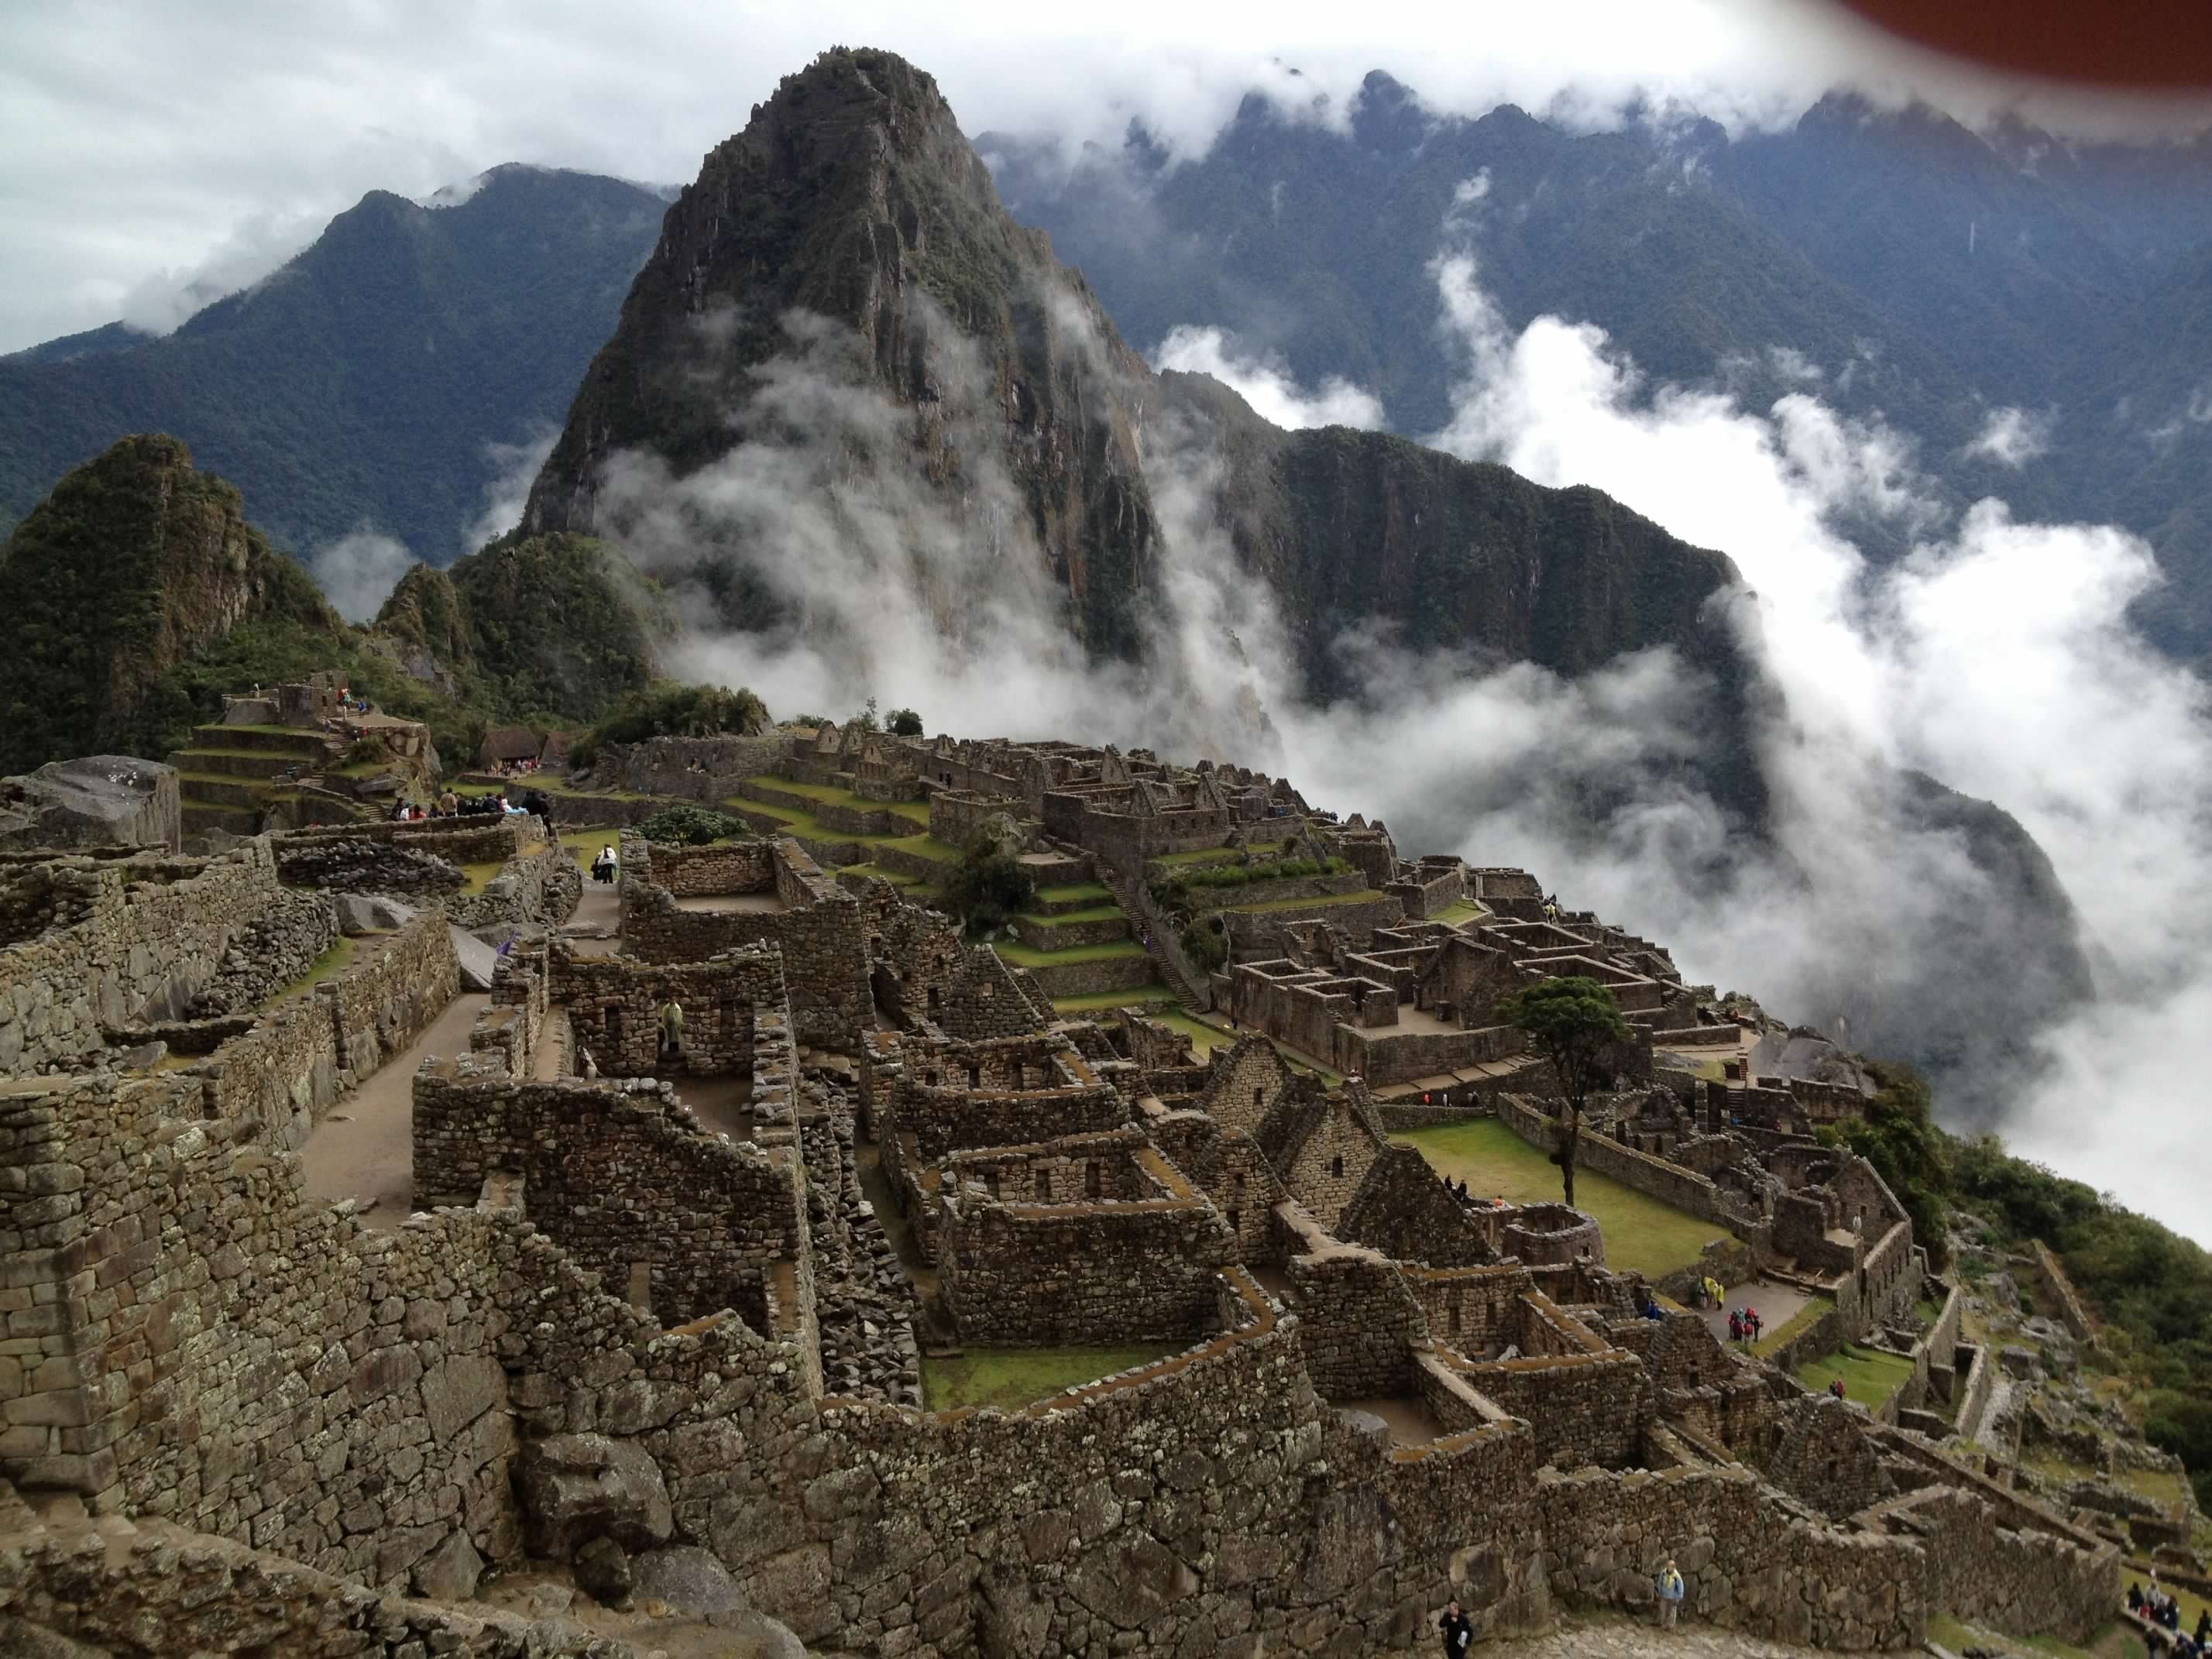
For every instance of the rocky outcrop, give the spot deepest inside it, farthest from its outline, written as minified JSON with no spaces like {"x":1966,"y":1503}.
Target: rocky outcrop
{"x":851,"y":198}
{"x":134,"y":562}
{"x":100,"y":800}
{"x":576,"y":1488}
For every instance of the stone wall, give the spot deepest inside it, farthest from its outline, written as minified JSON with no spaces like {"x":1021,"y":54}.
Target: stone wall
{"x":822,"y":929}
{"x":235,"y":1358}
{"x":1259,"y":934}
{"x":114,"y":942}
{"x":689,"y":769}
{"x":1358,"y":1322}
{"x":1403,"y":1210}
{"x":2027,"y":1582}
{"x":362,"y":865}
{"x":1098,"y":1269}
{"x":1670,"y":1183}
{"x":614,"y":1010}
{"x":298,"y":1060}
{"x":619,"y":1179}
{"x":1747,"y":1563}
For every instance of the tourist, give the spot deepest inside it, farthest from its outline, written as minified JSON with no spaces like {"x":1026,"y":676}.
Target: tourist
{"x":1670,"y":1594}
{"x":2135,"y":1598}
{"x":2204,"y":1627}
{"x":1735,"y":1326}
{"x":449,"y":804}
{"x":1751,"y":1324}
{"x":1458,"y":1631}
{"x":672,"y":1026}
{"x":1836,"y":1386}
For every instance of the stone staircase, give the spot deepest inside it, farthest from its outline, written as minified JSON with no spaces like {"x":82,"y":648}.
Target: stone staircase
{"x":1085,"y":945}
{"x":229,"y":774}
{"x":1166,"y":950}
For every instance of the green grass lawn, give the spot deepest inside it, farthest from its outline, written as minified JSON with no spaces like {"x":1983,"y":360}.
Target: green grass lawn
{"x":1099,"y":1002}
{"x":2113,"y":1641}
{"x":336,"y":960}
{"x":1204,"y":1038}
{"x":1015,"y":1377}
{"x":882,"y":874}
{"x":1457,"y":915}
{"x":479,"y":875}
{"x":588,"y":842}
{"x":1869,"y":1376}
{"x":1202,"y":855}
{"x":1640,"y":1232}
{"x":1023,"y":956}
{"x":1086,"y":890}
{"x":1068,"y":918}
{"x":1325,"y":900}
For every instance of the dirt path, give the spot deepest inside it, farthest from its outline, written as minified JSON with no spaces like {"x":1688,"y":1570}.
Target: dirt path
{"x":365,"y":1149}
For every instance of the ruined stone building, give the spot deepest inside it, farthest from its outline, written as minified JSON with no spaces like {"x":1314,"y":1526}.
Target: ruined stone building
{"x":669,"y":1288}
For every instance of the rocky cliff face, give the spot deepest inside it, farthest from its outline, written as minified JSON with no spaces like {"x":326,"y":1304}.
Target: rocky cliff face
{"x":851,"y":201}
{"x":136,"y":562}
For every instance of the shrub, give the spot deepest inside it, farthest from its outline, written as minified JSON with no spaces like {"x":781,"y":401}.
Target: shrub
{"x":669,"y":708}
{"x":691,"y":826}
{"x":988,"y":886}
{"x":902,"y":723}
{"x":1206,"y":944}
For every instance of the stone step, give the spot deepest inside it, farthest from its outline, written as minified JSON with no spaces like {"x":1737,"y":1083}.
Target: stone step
{"x":1089,"y":896}
{"x":212,"y":791}
{"x":1075,"y":979}
{"x":243,"y":762}
{"x":302,"y":742}
{"x":202,"y":816}
{"x":1101,"y":924}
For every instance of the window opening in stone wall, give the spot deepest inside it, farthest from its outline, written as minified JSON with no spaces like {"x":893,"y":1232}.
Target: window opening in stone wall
{"x":1091,"y":1182}
{"x":991,"y":1182}
{"x":1235,"y":1219}
{"x":1336,"y":1167}
{"x":975,"y":1077}
{"x":1455,"y":1319}
{"x":936,"y":1000}
{"x":1259,"y":1096}
{"x":1044,"y":1186}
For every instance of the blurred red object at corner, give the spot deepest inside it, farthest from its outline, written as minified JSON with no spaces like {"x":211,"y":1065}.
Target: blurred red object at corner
{"x":2152,"y":44}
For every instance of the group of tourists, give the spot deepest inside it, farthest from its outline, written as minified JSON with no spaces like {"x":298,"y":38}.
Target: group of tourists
{"x":605,"y":866}
{"x":2159,"y":1609}
{"x":1466,"y":1199}
{"x":1745,"y":1325}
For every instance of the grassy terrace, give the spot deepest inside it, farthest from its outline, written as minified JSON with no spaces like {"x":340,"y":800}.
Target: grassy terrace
{"x":1870,"y":1376}
{"x":1087,"y":889}
{"x":1325,"y":900}
{"x":336,"y":960}
{"x":1100,"y":1002}
{"x":1015,"y":1377}
{"x":1098,"y":912}
{"x":2113,"y":1641}
{"x":1023,"y":955}
{"x":1459,"y":915}
{"x":1640,"y":1232}
{"x":806,"y":825}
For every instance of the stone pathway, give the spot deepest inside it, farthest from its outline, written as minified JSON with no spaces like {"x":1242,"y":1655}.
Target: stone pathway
{"x":365,"y":1149}
{"x":598,"y":911}
{"x":1576,"y":1638}
{"x":1778,"y":1305}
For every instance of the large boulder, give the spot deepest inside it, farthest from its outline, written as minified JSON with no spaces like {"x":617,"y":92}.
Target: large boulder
{"x":96,"y":801}
{"x":478,"y":960}
{"x":688,"y":1579}
{"x":576,"y":1487}
{"x":371,"y":913}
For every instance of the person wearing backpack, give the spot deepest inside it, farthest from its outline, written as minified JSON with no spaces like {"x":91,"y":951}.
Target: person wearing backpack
{"x":1670,"y":1594}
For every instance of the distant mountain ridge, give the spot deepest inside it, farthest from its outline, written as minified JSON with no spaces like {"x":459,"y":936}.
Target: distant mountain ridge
{"x":1950,"y":272}
{"x":363,"y":383}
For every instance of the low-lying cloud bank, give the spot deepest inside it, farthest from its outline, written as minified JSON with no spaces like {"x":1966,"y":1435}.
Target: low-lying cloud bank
{"x":1996,"y":658}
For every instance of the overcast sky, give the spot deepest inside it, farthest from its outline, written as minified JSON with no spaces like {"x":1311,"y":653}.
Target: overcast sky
{"x":148,"y":147}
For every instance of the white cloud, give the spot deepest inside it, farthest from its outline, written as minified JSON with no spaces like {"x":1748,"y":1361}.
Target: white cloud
{"x":1265,"y":382}
{"x":1999,"y":657}
{"x":507,"y":492}
{"x":116,"y":161}
{"x":2014,"y":437}
{"x":357,"y":572}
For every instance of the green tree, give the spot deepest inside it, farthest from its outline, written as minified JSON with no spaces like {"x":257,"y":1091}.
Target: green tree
{"x":1896,"y":1133}
{"x":867,"y":720}
{"x":670,"y":708}
{"x":989,"y":885}
{"x":1571,"y":1023}
{"x":903,"y":723}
